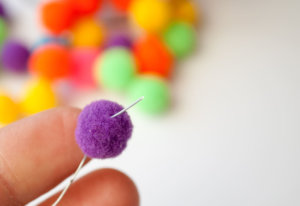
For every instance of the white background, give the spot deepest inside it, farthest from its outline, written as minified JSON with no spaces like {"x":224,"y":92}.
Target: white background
{"x":232,"y":136}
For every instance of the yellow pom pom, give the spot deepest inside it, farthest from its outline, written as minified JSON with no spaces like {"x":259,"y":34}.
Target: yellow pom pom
{"x":9,"y":111}
{"x":87,"y":33}
{"x":39,"y":96}
{"x":185,"y":11}
{"x":151,"y":15}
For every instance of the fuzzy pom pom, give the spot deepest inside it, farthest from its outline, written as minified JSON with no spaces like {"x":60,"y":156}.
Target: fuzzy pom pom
{"x":152,"y":56}
{"x":51,"y":62}
{"x":155,"y":90}
{"x":38,"y":96}
{"x":121,"y":5}
{"x":87,"y":32}
{"x":185,"y":11}
{"x":119,"y":40}
{"x":85,"y":7}
{"x":57,"y":16}
{"x":151,"y":15}
{"x":180,"y":38}
{"x":115,"y":68}
{"x":82,"y":60}
{"x":100,"y":136}
{"x":3,"y":30}
{"x":2,"y":11}
{"x":14,"y":56}
{"x":9,"y":110}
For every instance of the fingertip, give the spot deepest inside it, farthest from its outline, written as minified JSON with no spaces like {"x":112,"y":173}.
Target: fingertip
{"x":38,"y":152}
{"x":107,"y":187}
{"x":118,"y":187}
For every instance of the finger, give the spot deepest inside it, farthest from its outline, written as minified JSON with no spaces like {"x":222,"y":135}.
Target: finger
{"x":36,"y":154}
{"x":103,"y":187}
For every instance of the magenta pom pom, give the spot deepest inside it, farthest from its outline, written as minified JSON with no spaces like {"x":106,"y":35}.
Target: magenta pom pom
{"x":100,"y":136}
{"x":14,"y":56}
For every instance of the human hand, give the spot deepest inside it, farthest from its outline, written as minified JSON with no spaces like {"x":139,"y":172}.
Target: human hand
{"x":38,"y":152}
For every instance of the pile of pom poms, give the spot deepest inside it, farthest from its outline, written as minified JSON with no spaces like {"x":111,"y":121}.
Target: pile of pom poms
{"x":127,"y":46}
{"x":14,"y":53}
{"x":14,"y":56}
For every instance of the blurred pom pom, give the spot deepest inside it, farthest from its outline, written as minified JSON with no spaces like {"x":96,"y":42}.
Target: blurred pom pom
{"x":82,"y":67}
{"x":185,"y":11}
{"x":180,"y":38}
{"x":14,"y":56}
{"x":85,"y":7}
{"x":87,"y":32}
{"x":3,"y":31}
{"x":155,"y":90}
{"x":115,"y":68}
{"x":119,"y":40}
{"x":121,"y":5}
{"x":152,"y":56}
{"x":151,"y":15}
{"x":51,"y":62}
{"x":3,"y":13}
{"x":9,"y":110}
{"x":38,"y":96}
{"x":57,"y":16}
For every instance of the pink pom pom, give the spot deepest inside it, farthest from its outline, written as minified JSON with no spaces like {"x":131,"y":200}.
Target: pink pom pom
{"x":82,"y":67}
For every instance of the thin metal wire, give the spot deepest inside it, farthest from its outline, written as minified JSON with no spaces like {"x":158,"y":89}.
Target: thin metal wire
{"x":71,"y":181}
{"x":125,"y":109}
{"x":85,"y":157}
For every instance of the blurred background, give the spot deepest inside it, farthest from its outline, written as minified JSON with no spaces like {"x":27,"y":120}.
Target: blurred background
{"x":231,"y":136}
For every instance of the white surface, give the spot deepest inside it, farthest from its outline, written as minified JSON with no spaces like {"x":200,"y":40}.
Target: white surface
{"x":232,"y":136}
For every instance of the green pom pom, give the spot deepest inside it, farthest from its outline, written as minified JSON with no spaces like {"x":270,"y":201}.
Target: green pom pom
{"x":2,"y":30}
{"x":115,"y":68}
{"x":155,"y":91}
{"x":180,"y":38}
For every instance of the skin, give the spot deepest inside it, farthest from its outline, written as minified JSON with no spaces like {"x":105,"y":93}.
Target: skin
{"x":38,"y":152}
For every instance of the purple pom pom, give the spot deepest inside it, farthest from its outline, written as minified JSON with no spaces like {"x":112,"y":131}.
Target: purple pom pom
{"x":2,"y":11}
{"x":100,"y":136}
{"x":14,"y":56}
{"x":119,"y":40}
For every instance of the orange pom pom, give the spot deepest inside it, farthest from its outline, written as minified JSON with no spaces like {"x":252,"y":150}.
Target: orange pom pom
{"x":121,"y":5}
{"x":185,"y":11}
{"x":57,"y":16}
{"x":50,"y":62}
{"x":84,"y":7}
{"x":152,"y":56}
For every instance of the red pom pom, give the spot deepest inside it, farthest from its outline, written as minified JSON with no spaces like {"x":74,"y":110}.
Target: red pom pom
{"x":85,"y":7}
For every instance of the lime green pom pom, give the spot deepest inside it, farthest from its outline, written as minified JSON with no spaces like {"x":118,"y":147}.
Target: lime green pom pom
{"x":115,"y":68}
{"x":155,"y":91}
{"x":180,"y":39}
{"x":2,"y":30}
